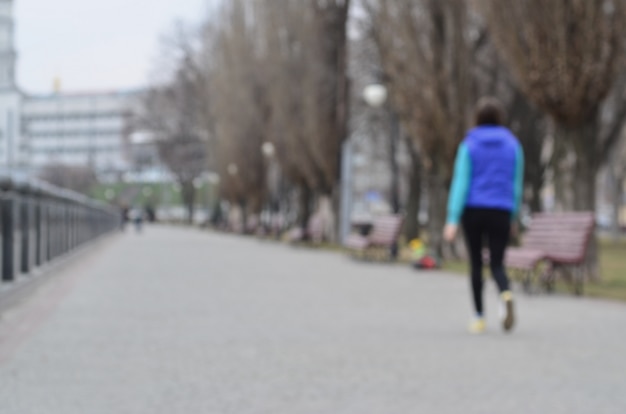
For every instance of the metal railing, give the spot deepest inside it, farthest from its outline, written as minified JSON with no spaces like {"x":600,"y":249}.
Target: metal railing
{"x":40,"y":222}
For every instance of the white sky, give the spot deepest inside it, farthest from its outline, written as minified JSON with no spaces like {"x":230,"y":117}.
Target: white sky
{"x":94,"y":44}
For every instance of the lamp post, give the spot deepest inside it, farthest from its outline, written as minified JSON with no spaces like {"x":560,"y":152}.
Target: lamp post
{"x":269,"y":151}
{"x":199,"y":193}
{"x":233,"y":170}
{"x":376,"y":96}
{"x":213,"y":181}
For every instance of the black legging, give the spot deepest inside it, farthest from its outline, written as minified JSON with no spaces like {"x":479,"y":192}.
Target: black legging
{"x":496,"y":226}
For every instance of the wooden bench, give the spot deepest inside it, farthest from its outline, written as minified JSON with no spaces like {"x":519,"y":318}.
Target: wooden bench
{"x":559,"y":241}
{"x":314,"y":231}
{"x":384,"y":235}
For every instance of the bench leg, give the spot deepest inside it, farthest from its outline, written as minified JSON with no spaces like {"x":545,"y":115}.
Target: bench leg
{"x":578,"y":280}
{"x":548,"y":277}
{"x":393,"y":252}
{"x":527,"y":281}
{"x":355,"y":254}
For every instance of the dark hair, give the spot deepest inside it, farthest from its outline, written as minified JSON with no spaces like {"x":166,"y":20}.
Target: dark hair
{"x":489,"y":111}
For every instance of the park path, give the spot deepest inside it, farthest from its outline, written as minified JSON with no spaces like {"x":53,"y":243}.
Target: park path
{"x":179,"y":321}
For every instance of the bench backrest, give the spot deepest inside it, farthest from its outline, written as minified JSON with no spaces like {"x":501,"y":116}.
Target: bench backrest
{"x":385,"y":230}
{"x":560,"y":234}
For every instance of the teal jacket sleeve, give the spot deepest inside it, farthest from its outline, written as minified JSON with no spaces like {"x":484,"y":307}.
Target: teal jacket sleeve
{"x":519,"y":181}
{"x":460,"y":185}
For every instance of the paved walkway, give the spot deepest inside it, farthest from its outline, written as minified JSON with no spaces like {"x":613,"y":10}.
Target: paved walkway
{"x":176,"y":321}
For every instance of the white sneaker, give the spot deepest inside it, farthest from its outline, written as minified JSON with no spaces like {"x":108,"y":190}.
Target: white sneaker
{"x":477,"y":326}
{"x":507,"y":313}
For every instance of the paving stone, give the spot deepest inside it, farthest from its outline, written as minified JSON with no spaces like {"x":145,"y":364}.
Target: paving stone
{"x":181,"y":321}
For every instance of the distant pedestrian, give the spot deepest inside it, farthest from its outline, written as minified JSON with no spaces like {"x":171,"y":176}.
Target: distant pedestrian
{"x":136,"y":215}
{"x":485,"y":197}
{"x":124,"y":217}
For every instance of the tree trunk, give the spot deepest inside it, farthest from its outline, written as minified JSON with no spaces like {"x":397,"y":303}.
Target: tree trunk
{"x":585,"y":165}
{"x":584,"y":162}
{"x":437,"y":196}
{"x":243,"y":208}
{"x":585,"y":176}
{"x":562,"y":167}
{"x":528,"y":123}
{"x":411,"y":224}
{"x":617,"y":196}
{"x":306,"y":196}
{"x":393,"y":162}
{"x":327,"y":212}
{"x":535,"y":204}
{"x":189,"y":199}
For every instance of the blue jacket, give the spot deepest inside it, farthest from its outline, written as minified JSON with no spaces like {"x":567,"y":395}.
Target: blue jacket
{"x":488,"y":172}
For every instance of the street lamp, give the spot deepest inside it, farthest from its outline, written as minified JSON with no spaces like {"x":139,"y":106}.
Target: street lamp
{"x":197,"y":183}
{"x":268,"y":149}
{"x":109,"y":194}
{"x":376,"y":95}
{"x":213,"y":178}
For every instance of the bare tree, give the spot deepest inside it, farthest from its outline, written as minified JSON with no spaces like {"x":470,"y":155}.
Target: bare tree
{"x":326,"y":93}
{"x":617,"y":178}
{"x":285,"y":27}
{"x":240,"y":108}
{"x":528,"y":122}
{"x":174,"y":114}
{"x":564,"y":55}
{"x":305,"y":62}
{"x":424,"y":49}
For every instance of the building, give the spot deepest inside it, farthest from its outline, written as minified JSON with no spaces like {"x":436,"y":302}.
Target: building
{"x":13,"y":151}
{"x":83,"y":129}
{"x":90,"y":129}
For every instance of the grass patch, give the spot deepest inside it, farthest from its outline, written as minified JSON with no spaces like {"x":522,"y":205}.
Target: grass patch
{"x":142,"y":194}
{"x":612,"y":284}
{"x":455,"y":266}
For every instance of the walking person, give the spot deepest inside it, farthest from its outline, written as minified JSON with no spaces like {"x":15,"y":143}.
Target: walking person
{"x":485,"y":198}
{"x":136,"y":215}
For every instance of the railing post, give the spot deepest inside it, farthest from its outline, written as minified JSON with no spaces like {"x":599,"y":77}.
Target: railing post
{"x":70,"y":227}
{"x":53,"y":235}
{"x":75,"y":226}
{"x":49,"y":224}
{"x":25,"y":239}
{"x":32,"y":231}
{"x":83,"y":225}
{"x":79,"y":225}
{"x":61,"y":228}
{"x":64,"y":227}
{"x":40,"y":222}
{"x":7,"y":202}
{"x":39,"y":230}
